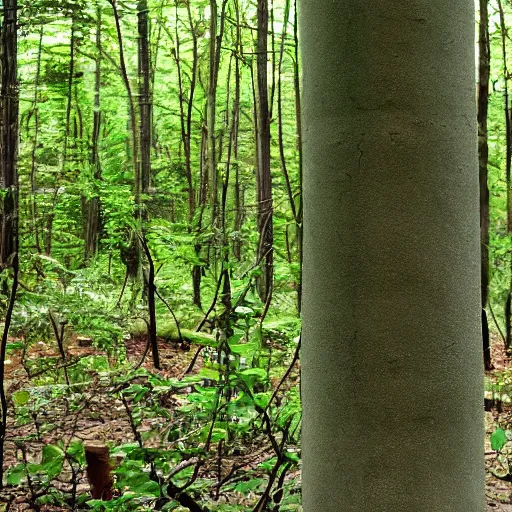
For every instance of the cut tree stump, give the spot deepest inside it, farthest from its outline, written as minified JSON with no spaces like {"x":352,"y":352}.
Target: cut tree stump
{"x":99,"y":471}
{"x":84,"y":342}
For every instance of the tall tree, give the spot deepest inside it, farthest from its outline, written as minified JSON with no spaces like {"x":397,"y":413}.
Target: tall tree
{"x":508,"y":168}
{"x":9,"y":113}
{"x":214,"y":63}
{"x":93,"y":205}
{"x":145,"y":106}
{"x":392,"y":361}
{"x":35,"y":142}
{"x":264,"y":177}
{"x":8,"y":128}
{"x":484,"y":67}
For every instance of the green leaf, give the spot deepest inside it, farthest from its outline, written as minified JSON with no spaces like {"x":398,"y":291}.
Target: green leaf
{"x":208,"y":373}
{"x":244,"y":311}
{"x":258,"y":373}
{"x":498,"y":439}
{"x":252,"y":485}
{"x":21,"y":397}
{"x":76,"y":451}
{"x":244,"y":349}
{"x":16,"y":474}
{"x":53,"y":460}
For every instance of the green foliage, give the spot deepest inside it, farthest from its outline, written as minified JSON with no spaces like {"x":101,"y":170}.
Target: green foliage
{"x":229,"y":401}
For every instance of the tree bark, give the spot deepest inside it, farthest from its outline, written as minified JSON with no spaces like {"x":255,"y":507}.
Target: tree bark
{"x":484,"y":68}
{"x":298,"y":117}
{"x":264,"y":177}
{"x":145,"y":105}
{"x":9,"y":185}
{"x":508,"y":167}
{"x":9,"y":106}
{"x":35,"y":144}
{"x":93,"y":204}
{"x":99,"y":471}
{"x":211,"y":114}
{"x":392,"y":360}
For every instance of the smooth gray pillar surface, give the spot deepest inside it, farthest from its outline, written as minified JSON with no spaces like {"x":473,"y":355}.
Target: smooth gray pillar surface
{"x":392,"y":377}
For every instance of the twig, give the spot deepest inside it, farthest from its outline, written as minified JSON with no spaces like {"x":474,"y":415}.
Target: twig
{"x":497,"y":324}
{"x":287,"y":373}
{"x":172,"y":313}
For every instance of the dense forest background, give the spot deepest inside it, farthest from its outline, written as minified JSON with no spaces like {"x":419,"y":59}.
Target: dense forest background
{"x":152,"y":247}
{"x":160,"y":217}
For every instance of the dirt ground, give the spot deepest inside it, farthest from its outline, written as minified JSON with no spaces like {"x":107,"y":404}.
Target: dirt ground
{"x":102,"y":417}
{"x":498,"y":492}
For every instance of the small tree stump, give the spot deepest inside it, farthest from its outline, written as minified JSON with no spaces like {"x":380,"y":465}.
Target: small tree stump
{"x":84,"y":342}
{"x":99,"y":471}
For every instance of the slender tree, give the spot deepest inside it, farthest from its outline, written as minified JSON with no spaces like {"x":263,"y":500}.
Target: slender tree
{"x":9,"y":113}
{"x":93,"y":205}
{"x":35,"y":142}
{"x":392,"y":377}
{"x":8,"y":128}
{"x":508,"y":168}
{"x":186,"y":103}
{"x":235,"y":128}
{"x":484,"y":68}
{"x":145,"y":105}
{"x":217,"y":23}
{"x":212,"y":112}
{"x":264,"y":177}
{"x":298,"y":123}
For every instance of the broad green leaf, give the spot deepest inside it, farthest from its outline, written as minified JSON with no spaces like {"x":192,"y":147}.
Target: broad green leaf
{"x":498,"y":439}
{"x":21,"y":397}
{"x":16,"y":474}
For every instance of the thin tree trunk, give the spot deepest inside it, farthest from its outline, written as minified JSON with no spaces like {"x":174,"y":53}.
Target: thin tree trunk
{"x":35,"y":143}
{"x":9,"y":242}
{"x":392,"y":374}
{"x":131,"y":104}
{"x":190,"y":105}
{"x":508,"y":166}
{"x":284,"y":167}
{"x":237,"y":243}
{"x":132,"y":268}
{"x":151,"y":292}
{"x":186,"y":106}
{"x":298,"y":117}
{"x":483,"y":157}
{"x":145,"y":104}
{"x":93,"y":207}
{"x":212,"y":101}
{"x":264,"y":181}
{"x":215,"y":54}
{"x":197,"y":269}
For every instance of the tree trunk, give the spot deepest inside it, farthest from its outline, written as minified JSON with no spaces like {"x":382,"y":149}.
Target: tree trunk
{"x":264,"y":181}
{"x":508,"y":167}
{"x":99,"y":471}
{"x":483,"y":157}
{"x":144,"y":98}
{"x":9,"y":185}
{"x":392,"y":359}
{"x":211,"y":114}
{"x":35,"y":144}
{"x":93,"y":204}
{"x":298,"y":117}
{"x":8,"y":130}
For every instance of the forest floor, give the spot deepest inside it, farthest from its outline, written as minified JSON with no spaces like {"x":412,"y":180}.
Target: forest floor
{"x":99,"y":417}
{"x":498,"y":491}
{"x":103,"y":418}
